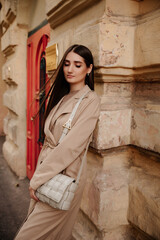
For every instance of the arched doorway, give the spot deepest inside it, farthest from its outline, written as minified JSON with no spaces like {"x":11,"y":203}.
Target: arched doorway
{"x":36,"y":78}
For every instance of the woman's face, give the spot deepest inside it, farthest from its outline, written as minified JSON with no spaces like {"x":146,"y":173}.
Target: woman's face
{"x":75,"y":70}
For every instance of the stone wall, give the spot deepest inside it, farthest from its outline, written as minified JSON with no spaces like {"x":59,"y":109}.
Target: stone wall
{"x":121,"y":198}
{"x":124,"y":38}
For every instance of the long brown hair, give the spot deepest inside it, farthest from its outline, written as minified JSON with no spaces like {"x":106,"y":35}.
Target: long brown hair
{"x":60,"y":86}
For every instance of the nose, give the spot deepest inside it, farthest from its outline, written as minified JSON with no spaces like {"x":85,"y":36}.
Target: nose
{"x":70,"y":68}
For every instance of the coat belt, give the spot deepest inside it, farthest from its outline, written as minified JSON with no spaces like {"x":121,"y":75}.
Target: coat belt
{"x":48,"y":143}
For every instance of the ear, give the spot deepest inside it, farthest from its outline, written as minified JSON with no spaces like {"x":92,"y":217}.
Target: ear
{"x":90,"y":68}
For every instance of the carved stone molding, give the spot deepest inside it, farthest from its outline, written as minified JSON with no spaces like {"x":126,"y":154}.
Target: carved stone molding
{"x":10,"y":99}
{"x":121,"y":74}
{"x":10,"y":39}
{"x":60,"y":11}
{"x":11,"y":14}
{"x":5,"y":25}
{"x":9,"y":9}
{"x":9,"y":50}
{"x":10,"y":72}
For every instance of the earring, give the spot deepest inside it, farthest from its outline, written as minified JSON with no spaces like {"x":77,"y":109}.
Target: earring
{"x":87,"y":74}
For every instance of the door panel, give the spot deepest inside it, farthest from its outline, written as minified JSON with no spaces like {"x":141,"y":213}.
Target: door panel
{"x":36,"y":77}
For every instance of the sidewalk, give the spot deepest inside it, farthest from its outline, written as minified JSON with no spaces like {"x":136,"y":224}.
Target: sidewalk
{"x":14,"y":200}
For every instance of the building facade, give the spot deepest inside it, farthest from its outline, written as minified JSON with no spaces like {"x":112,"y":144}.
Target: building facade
{"x":122,"y":195}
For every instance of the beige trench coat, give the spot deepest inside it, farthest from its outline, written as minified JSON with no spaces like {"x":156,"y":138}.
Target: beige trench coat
{"x":44,"y":222}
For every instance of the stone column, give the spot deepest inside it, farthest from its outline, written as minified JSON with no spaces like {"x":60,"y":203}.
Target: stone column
{"x":13,"y":45}
{"x":3,"y":111}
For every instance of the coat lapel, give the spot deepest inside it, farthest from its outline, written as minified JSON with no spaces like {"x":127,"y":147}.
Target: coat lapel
{"x":64,"y":109}
{"x":69,"y":107}
{"x":53,"y":116}
{"x":79,"y":94}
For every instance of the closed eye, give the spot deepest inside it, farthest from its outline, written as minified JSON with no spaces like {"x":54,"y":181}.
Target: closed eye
{"x":66,"y":64}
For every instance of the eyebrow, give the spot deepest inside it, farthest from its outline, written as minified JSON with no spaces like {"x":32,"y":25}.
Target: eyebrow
{"x":74,"y":61}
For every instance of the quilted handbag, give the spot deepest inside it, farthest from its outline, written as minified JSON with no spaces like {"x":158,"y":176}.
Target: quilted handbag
{"x":59,"y":191}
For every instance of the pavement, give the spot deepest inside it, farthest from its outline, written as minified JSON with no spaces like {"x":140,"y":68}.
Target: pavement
{"x":14,"y":199}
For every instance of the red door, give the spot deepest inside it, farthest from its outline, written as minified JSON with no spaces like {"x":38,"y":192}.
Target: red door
{"x":36,"y":77}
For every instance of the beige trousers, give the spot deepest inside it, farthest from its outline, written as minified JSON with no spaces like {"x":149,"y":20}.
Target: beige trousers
{"x":46,"y":223}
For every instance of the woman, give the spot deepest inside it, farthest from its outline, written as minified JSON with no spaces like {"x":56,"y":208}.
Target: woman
{"x":74,"y":77}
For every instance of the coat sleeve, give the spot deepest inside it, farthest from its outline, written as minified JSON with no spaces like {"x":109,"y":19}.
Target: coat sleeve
{"x":65,"y":153}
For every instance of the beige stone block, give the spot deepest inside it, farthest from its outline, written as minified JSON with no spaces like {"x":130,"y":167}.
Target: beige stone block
{"x":60,"y":11}
{"x":113,"y":129}
{"x":118,"y":89}
{"x":148,"y":7}
{"x":10,"y":38}
{"x":81,"y":29}
{"x":12,"y":130}
{"x":10,"y":126}
{"x":105,"y":198}
{"x":5,"y":123}
{"x":144,"y":192}
{"x":15,"y":158}
{"x":91,"y":33}
{"x":116,"y":43}
{"x":146,"y":160}
{"x":129,"y":9}
{"x":51,"y":4}
{"x":115,"y":96}
{"x":145,"y":129}
{"x":147,"y":90}
{"x":147,"y":37}
{"x":125,"y":232}
{"x":153,"y":107}
{"x":113,"y":204}
{"x":10,"y":99}
{"x":15,"y":130}
{"x":23,"y":11}
{"x":35,"y":13}
{"x":15,"y":97}
{"x":85,"y":229}
{"x":144,"y":202}
{"x":9,"y":5}
{"x":8,"y":72}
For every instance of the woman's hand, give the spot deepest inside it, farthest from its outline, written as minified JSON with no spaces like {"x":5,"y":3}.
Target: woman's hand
{"x":32,"y":194}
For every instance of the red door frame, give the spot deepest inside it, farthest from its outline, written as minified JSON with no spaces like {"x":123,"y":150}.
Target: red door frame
{"x":36,"y":45}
